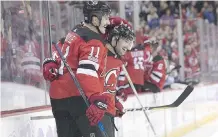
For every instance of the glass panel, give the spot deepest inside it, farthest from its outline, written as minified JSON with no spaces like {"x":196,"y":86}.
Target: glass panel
{"x":160,"y":19}
{"x":25,"y":40}
{"x":191,"y":51}
{"x":24,"y":43}
{"x":208,"y":51}
{"x":153,"y":23}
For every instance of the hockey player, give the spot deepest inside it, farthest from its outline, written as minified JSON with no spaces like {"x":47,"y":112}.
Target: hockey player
{"x":155,"y":70}
{"x":85,"y":52}
{"x":120,"y":38}
{"x":135,"y":66}
{"x":192,"y":67}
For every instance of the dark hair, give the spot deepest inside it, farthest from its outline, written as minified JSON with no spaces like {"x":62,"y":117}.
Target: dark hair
{"x":122,"y":31}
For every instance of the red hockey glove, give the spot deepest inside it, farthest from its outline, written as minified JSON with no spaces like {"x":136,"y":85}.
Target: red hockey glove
{"x":124,"y":92}
{"x":120,"y":110}
{"x":96,"y":110}
{"x":50,"y":69}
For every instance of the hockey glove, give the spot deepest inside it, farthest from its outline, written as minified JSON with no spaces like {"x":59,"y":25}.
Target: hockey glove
{"x":120,"y":110}
{"x":50,"y":69}
{"x":124,"y":92}
{"x":96,"y":110}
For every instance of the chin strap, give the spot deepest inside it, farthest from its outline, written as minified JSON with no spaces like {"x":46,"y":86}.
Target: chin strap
{"x":97,"y":27}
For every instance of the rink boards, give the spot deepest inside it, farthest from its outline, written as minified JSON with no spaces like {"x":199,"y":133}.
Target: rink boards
{"x":200,"y":108}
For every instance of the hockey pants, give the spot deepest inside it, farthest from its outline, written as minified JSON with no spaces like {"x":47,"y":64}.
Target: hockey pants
{"x":71,"y":121}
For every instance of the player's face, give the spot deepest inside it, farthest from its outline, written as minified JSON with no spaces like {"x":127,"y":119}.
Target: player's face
{"x":104,"y":23}
{"x":123,"y":45}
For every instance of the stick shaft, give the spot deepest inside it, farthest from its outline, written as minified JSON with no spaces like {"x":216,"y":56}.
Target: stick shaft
{"x":136,"y":95}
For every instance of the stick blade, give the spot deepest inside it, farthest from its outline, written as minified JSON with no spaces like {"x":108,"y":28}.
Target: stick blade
{"x":183,"y":96}
{"x":178,"y":101}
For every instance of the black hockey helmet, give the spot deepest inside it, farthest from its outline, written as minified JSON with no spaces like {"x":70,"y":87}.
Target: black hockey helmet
{"x":121,"y":28}
{"x":122,"y":31}
{"x":93,"y":8}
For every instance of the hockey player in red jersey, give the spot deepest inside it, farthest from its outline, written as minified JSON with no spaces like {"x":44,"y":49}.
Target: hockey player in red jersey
{"x":192,"y":67}
{"x":155,"y":70}
{"x":85,"y":52}
{"x":135,"y":66}
{"x":120,"y":39}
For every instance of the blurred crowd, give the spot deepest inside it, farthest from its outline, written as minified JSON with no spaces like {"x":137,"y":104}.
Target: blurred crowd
{"x":25,"y":33}
{"x":170,"y":10}
{"x":159,"y":19}
{"x":24,"y":42}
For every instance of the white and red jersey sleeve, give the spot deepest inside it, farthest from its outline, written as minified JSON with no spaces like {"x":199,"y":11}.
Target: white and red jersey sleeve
{"x":157,"y":75}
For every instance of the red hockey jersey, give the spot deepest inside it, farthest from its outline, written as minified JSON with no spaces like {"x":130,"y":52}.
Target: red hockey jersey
{"x":135,"y":59}
{"x":113,"y":69}
{"x":192,"y":63}
{"x":86,"y":54}
{"x":135,"y":67}
{"x":157,"y":75}
{"x":31,"y":63}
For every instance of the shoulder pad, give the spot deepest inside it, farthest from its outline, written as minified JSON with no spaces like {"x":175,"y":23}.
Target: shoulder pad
{"x":87,"y":35}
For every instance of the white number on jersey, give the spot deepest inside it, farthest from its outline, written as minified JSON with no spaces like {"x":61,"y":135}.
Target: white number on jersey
{"x":160,"y":67}
{"x":93,"y":57}
{"x":138,"y":63}
{"x":92,"y":51}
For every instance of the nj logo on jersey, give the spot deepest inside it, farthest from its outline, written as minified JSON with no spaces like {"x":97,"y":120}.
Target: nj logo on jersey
{"x":111,"y":80}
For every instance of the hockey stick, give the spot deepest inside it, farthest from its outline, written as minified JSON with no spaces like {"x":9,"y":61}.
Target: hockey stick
{"x":136,"y":95}
{"x":100,"y":125}
{"x":175,"y":68}
{"x":176,"y":103}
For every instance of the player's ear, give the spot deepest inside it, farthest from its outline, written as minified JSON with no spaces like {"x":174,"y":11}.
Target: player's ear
{"x":95,"y":21}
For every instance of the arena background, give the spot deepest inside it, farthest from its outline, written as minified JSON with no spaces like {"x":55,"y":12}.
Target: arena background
{"x":187,"y":30}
